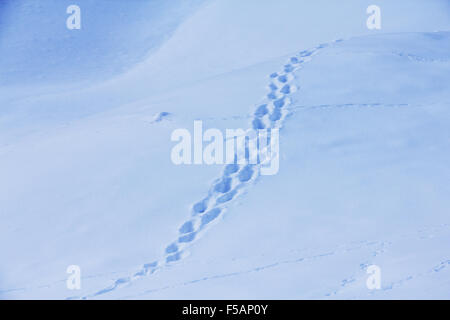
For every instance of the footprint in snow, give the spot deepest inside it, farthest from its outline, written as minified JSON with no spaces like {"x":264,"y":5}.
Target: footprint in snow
{"x":160,"y":116}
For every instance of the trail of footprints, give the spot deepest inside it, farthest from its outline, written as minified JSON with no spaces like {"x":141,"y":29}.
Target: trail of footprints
{"x":235,"y":177}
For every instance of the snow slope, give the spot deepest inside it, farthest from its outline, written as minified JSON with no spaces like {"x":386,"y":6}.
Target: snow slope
{"x":364,"y":180}
{"x":36,"y":47}
{"x":87,"y":177}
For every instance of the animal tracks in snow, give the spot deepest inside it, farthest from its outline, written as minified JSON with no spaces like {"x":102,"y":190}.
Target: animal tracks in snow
{"x":269,"y":114}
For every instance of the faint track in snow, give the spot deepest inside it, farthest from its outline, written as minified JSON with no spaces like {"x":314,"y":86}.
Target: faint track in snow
{"x":235,"y":179}
{"x":294,"y":108}
{"x":303,"y":258}
{"x":443,"y":264}
{"x":375,"y":247}
{"x":438,"y":267}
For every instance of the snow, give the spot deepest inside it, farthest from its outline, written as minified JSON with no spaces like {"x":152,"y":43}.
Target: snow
{"x":86,"y":175}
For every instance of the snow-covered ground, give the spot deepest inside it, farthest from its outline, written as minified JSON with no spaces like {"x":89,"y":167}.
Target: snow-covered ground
{"x":86,"y":176}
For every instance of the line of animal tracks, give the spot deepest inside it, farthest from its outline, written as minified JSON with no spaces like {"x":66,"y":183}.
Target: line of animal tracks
{"x":235,"y":179}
